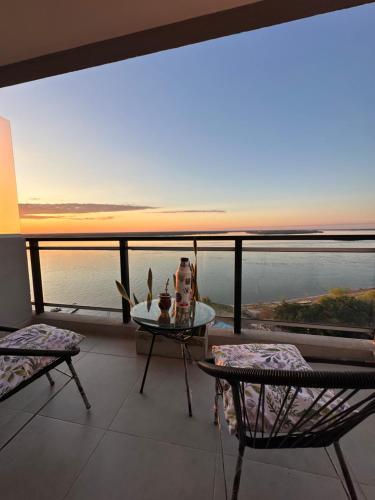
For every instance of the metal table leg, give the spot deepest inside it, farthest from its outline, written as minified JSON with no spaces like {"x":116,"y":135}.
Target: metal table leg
{"x":184,"y":355}
{"x":147,"y":363}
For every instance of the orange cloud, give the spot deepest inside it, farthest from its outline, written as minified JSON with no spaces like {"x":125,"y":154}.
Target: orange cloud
{"x":29,"y":210}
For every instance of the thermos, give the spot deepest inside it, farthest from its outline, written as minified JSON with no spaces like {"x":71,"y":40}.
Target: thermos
{"x":183,"y":283}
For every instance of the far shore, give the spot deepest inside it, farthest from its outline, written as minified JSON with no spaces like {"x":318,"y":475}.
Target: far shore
{"x":285,"y":231}
{"x":353,"y":292}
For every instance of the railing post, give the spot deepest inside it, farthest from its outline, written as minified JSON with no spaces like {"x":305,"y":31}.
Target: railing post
{"x":124,"y":268}
{"x":237,"y":285}
{"x":36,"y":276}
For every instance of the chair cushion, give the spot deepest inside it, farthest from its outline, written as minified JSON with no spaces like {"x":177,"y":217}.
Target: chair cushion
{"x":271,"y":357}
{"x":16,"y":369}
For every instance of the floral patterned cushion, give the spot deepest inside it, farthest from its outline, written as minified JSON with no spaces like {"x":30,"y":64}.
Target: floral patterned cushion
{"x":16,"y":369}
{"x":270,"y":356}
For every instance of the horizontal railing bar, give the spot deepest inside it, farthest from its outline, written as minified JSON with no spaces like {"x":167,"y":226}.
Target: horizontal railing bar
{"x":77,"y":306}
{"x":275,"y":322}
{"x":311,"y":326}
{"x":185,"y":249}
{"x":220,"y":249}
{"x":111,"y":249}
{"x":310,"y":249}
{"x":188,"y":237}
{"x":143,"y":248}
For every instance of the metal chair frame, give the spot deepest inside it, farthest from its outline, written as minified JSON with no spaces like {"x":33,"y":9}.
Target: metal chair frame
{"x":323,"y":431}
{"x":61,"y":357}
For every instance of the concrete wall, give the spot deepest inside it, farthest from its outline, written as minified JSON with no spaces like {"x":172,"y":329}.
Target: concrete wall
{"x":9,"y":216}
{"x":15,"y":302}
{"x":15,"y":305}
{"x":316,"y":346}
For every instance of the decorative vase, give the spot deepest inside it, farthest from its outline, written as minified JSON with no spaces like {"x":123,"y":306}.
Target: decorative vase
{"x":183,"y":284}
{"x":165,"y":301}
{"x":164,"y":318}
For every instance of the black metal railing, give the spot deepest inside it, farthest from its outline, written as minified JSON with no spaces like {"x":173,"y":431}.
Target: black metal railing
{"x":238,"y":249}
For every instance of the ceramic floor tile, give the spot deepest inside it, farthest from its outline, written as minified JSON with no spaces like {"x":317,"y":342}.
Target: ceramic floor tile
{"x":116,"y":346}
{"x":10,"y":422}
{"x":367,"y":491}
{"x":271,"y":482}
{"x":43,"y":461}
{"x":128,"y":467}
{"x":107,"y":381}
{"x":161,"y":412}
{"x":358,"y":447}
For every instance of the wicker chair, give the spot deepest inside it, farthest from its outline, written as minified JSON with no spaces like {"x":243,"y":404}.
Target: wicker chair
{"x":344,"y":412}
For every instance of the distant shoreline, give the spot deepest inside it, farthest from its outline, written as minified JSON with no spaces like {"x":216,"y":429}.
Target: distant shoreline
{"x":286,"y":231}
{"x":307,"y":300}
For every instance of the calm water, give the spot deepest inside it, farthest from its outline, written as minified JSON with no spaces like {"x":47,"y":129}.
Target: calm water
{"x":87,"y":277}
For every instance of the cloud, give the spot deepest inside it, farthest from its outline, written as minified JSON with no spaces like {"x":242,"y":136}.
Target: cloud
{"x":213,"y":211}
{"x":31,"y":210}
{"x":71,"y":211}
{"x":65,"y":217}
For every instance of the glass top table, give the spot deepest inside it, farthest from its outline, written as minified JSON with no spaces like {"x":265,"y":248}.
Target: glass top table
{"x":177,"y":324}
{"x":198,"y":315}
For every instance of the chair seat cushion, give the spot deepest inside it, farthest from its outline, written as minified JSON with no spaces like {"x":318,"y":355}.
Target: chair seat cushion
{"x":16,"y":369}
{"x":272,"y":357}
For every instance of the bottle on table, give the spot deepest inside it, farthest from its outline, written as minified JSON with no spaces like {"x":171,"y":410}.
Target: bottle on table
{"x":183,"y":284}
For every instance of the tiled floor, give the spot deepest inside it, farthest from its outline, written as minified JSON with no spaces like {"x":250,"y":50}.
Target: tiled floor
{"x":142,"y":447}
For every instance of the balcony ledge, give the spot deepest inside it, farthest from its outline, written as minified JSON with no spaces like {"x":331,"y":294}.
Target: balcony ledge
{"x":317,"y":346}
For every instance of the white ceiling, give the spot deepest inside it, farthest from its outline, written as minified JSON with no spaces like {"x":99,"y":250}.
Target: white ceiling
{"x":31,"y":28}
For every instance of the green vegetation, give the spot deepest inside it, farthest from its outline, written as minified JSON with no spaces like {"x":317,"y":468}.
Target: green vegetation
{"x":338,"y":292}
{"x":368,"y":296}
{"x":337,"y":308}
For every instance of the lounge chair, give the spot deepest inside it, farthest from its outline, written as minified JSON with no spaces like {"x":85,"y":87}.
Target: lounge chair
{"x":30,"y":353}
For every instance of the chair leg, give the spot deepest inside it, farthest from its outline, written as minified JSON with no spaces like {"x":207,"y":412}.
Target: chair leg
{"x":237,"y":476}
{"x":50,"y":379}
{"x":345,"y":471}
{"x":183,"y":349}
{"x":78,"y":383}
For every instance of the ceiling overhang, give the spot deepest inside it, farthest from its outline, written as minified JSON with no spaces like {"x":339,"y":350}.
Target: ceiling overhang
{"x":29,"y":54}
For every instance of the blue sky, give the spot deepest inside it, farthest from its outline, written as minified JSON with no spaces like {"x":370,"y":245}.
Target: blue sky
{"x":264,"y":125}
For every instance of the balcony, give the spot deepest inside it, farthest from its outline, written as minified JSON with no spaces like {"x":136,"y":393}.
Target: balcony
{"x":145,"y":446}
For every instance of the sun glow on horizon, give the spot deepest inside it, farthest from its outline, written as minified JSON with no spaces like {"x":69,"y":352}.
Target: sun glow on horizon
{"x":153,"y":222}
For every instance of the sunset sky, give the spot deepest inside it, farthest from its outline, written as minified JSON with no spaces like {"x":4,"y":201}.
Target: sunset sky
{"x":270,"y":128}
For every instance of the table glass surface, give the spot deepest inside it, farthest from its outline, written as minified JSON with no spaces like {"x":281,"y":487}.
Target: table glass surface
{"x":197,"y":315}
